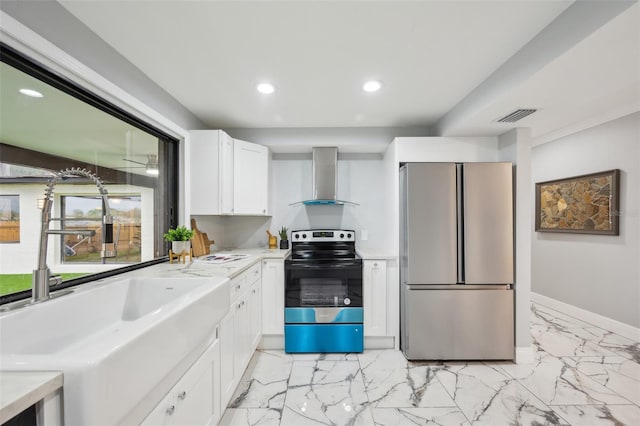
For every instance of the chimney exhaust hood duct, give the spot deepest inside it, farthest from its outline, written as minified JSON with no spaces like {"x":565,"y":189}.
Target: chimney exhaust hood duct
{"x":325,"y":178}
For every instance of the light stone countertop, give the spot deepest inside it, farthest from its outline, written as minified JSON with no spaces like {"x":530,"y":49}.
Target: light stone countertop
{"x":200,"y":269}
{"x":375,"y":255}
{"x":22,"y":389}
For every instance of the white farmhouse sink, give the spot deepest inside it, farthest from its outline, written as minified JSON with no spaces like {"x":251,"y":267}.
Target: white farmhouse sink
{"x":114,"y":342}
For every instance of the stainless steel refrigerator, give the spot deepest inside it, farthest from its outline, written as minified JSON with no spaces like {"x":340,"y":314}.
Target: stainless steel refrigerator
{"x":456,"y":261}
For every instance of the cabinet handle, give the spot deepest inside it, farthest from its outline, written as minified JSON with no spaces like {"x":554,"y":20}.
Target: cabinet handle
{"x":254,"y":291}
{"x":243,"y":303}
{"x":182,"y":395}
{"x":171,"y":409}
{"x":238,"y":287}
{"x":375,"y":265}
{"x":239,"y":305}
{"x":264,"y":211}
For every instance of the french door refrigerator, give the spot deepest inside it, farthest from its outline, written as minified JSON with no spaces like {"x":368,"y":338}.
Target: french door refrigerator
{"x":456,"y":261}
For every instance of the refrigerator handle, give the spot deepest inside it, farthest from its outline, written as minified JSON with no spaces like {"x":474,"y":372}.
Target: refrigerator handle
{"x":460,"y":221}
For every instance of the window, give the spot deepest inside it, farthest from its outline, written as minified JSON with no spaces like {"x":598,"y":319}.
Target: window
{"x":58,"y":125}
{"x":9,"y":218}
{"x":85,"y":212}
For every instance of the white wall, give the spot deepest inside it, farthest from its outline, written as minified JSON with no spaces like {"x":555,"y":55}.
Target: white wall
{"x":597,"y":273}
{"x":444,"y":149}
{"x":515,"y":146}
{"x":360,"y":180}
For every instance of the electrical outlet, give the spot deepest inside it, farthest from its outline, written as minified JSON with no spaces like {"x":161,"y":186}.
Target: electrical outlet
{"x":364,"y":235}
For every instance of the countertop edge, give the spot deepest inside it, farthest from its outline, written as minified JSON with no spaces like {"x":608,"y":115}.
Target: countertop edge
{"x":22,"y":389}
{"x":371,"y":255}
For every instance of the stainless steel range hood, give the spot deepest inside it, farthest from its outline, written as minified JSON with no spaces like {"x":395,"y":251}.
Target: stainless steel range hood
{"x":325,"y":178}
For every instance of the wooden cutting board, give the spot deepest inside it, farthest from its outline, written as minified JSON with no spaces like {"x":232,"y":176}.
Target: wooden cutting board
{"x":200,"y":241}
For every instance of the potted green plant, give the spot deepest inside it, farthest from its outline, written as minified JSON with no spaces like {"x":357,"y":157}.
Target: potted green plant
{"x":284,"y":238}
{"x":180,"y":239}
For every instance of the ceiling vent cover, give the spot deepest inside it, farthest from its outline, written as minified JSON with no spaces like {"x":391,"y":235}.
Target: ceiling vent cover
{"x":516,"y":115}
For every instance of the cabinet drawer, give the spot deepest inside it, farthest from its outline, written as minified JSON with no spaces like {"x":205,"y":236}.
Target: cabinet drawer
{"x":238,"y":286}
{"x":242,"y":282}
{"x":254,"y":273}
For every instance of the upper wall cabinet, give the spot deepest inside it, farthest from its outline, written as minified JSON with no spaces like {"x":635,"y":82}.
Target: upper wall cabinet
{"x":228,"y":176}
{"x":250,"y":178}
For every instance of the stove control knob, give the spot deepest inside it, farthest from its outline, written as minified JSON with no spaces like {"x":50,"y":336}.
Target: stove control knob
{"x":297,"y":236}
{"x":347,"y":301}
{"x":341,"y":235}
{"x":348,"y":235}
{"x":304,"y":236}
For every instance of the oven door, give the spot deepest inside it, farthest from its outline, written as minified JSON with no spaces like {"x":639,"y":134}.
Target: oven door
{"x":311,"y":284}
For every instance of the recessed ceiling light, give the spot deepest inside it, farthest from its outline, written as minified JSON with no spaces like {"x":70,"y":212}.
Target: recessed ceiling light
{"x":32,"y":93}
{"x":372,"y":86}
{"x":265,"y":88}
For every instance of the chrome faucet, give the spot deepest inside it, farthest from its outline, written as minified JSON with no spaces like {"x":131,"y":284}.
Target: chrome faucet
{"x":42,"y":278}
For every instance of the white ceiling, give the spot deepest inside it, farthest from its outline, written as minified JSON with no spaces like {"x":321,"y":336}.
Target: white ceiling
{"x":432,"y":57}
{"x":209,"y":55}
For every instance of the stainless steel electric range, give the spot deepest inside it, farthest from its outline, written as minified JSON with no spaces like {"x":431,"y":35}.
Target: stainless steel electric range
{"x":323,"y":293}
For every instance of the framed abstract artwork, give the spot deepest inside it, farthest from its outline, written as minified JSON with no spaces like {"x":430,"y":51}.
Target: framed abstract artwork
{"x":586,"y":204}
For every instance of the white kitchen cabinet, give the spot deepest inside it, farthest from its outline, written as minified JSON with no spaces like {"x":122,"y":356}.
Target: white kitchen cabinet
{"x":255,"y":317}
{"x":273,"y":296}
{"x":227,"y":176}
{"x":241,"y":342}
{"x":227,"y":345}
{"x":374,"y":297}
{"x":240,"y":330}
{"x":194,"y":399}
{"x":211,"y":172}
{"x":250,"y":178}
{"x":247,"y":321}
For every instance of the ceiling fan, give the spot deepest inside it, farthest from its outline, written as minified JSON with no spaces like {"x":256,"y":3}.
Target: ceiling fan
{"x":151,"y":165}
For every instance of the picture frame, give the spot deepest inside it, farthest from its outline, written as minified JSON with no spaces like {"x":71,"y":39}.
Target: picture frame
{"x":585,"y":204}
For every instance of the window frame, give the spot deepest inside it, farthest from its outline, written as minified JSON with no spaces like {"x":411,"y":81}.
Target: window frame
{"x":168,"y":217}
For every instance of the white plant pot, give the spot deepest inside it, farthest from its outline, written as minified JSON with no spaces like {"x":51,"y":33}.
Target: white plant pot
{"x":179,"y":247}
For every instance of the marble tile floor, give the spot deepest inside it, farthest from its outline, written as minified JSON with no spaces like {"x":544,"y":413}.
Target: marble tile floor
{"x":583,"y":375}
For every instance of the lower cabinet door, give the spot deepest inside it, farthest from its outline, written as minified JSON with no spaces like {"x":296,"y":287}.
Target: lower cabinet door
{"x":195,"y":396}
{"x":241,"y":338}
{"x":255,"y":317}
{"x":162,"y":415}
{"x":273,"y":296}
{"x":227,"y":347}
{"x":192,"y":401}
{"x":374,"y":297}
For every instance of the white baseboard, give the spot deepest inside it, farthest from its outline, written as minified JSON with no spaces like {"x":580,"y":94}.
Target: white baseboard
{"x":525,"y":355}
{"x":378,"y":342}
{"x":625,"y":330}
{"x":272,"y":342}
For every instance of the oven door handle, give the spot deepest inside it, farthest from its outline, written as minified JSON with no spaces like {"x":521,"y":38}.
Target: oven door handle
{"x":337,"y":265}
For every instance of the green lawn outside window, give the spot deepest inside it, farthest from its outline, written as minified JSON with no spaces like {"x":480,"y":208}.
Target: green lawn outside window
{"x":12,"y":283}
